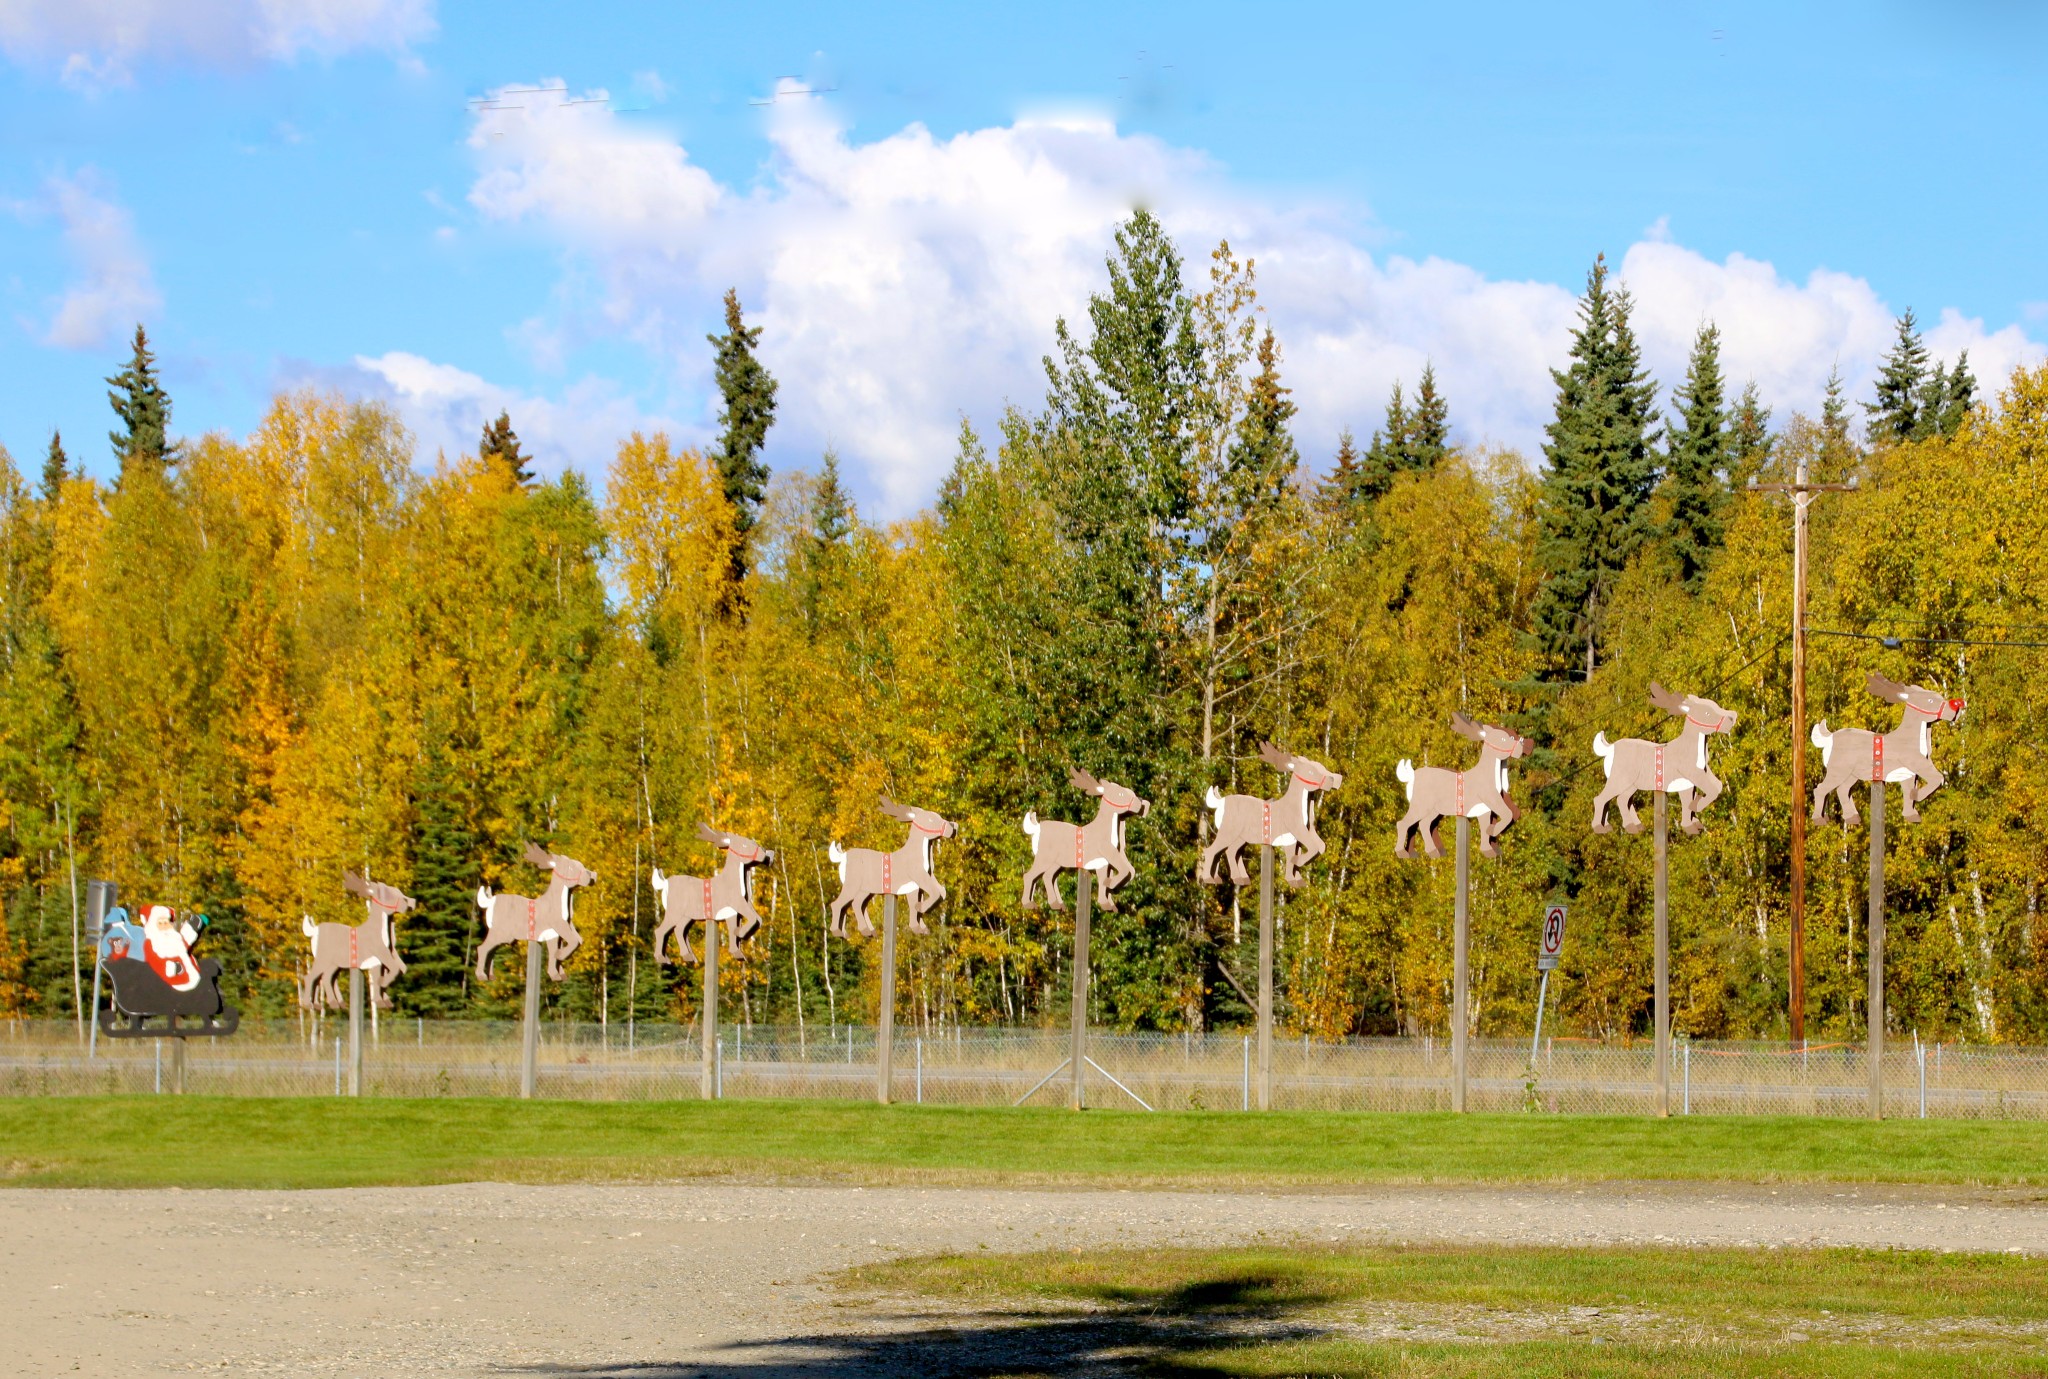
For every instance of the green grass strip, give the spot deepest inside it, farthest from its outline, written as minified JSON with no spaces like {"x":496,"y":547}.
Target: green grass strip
{"x":1438,"y":1311}
{"x":320,"y":1142}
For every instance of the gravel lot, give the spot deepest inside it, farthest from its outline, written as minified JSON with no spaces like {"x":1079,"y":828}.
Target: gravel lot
{"x":722,"y":1279}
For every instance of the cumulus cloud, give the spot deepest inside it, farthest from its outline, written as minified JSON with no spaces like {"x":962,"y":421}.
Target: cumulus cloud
{"x":905,"y":280}
{"x":112,"y":286}
{"x":95,"y":43}
{"x":446,"y":409}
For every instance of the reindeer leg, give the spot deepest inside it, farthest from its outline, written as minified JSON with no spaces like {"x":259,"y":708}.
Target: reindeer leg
{"x":1600,"y":803}
{"x":683,"y":938}
{"x":1851,"y":815}
{"x":1820,"y":808}
{"x":860,"y":912}
{"x":1401,"y":831}
{"x":732,"y":938}
{"x":1239,"y":876}
{"x":1030,"y":880}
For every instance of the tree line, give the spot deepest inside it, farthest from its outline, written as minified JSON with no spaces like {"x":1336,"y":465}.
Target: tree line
{"x":245,"y":664}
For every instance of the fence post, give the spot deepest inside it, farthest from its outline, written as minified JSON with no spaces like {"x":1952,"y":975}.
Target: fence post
{"x":920,"y":1070}
{"x":160,"y":1066}
{"x":1920,"y":1052}
{"x":1688,"y":1078}
{"x":337,"y":1065}
{"x":1247,"y":1105}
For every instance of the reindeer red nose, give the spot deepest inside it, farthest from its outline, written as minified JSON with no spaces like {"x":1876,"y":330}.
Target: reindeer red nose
{"x":1955,"y":708}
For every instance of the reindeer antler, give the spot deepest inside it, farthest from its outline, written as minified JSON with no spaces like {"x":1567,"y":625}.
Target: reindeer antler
{"x":710,"y":834}
{"x":1083,"y":782}
{"x":1274,"y":757}
{"x":1465,"y":727}
{"x":540,"y":857}
{"x":894,"y":810}
{"x":1665,"y":699}
{"x":355,"y":885}
{"x":1883,"y":688}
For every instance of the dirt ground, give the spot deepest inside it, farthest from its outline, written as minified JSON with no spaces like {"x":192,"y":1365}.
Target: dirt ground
{"x":722,"y":1280}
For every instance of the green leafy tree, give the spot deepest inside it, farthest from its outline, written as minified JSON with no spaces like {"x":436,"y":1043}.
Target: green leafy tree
{"x":499,"y":448}
{"x":1594,"y":506}
{"x":1897,"y":413}
{"x":748,"y":390}
{"x":1697,"y":462}
{"x":144,"y":411}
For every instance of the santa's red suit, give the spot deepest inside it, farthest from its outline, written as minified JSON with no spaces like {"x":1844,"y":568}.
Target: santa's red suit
{"x":168,"y":948}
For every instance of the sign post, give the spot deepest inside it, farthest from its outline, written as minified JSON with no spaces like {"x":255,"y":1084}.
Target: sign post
{"x":885,"y":1019}
{"x":1549,"y":945}
{"x":355,"y":1031}
{"x":1481,"y":793}
{"x":1850,"y":756}
{"x":707,"y":1018}
{"x":99,"y":898}
{"x":1678,"y":767}
{"x":1077,"y":1056}
{"x":1284,"y":831}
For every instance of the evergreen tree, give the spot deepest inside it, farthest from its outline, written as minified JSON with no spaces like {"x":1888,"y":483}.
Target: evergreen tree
{"x":1594,"y":503}
{"x":1749,"y":437}
{"x":56,"y":468}
{"x":1340,"y":491}
{"x":832,"y":515}
{"x":144,"y":410}
{"x":1959,"y":396}
{"x":500,"y":448}
{"x":1896,"y":414}
{"x":1429,"y":430}
{"x":1834,"y":424}
{"x":438,"y":933}
{"x":1263,"y":458}
{"x":1698,"y":460}
{"x":1387,"y":453}
{"x":749,"y":393}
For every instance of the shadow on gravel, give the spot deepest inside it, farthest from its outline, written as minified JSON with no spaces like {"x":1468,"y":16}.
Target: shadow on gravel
{"x":1162,"y":1337}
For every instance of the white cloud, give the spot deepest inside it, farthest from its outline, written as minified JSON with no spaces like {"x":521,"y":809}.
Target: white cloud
{"x":906,"y":280}
{"x":112,"y":287}
{"x":446,"y":409}
{"x":96,"y":43}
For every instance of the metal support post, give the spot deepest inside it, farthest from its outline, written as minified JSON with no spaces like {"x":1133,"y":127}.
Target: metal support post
{"x":1084,"y":894}
{"x":885,"y":1025}
{"x":1266,"y":978}
{"x":1876,"y":997}
{"x":1662,"y":907}
{"x":529,"y":1034}
{"x":1460,"y":966}
{"x":707,"y":1016}
{"x":355,"y":1031}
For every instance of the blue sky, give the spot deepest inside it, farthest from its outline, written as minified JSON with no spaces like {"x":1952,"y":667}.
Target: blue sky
{"x":322,"y":201}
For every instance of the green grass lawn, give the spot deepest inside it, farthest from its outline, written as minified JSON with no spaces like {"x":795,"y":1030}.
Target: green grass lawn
{"x":1422,"y":1313}
{"x":320,"y":1142}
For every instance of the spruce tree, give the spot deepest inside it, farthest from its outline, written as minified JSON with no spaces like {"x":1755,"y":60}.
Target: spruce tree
{"x":1594,"y":504}
{"x":1835,"y":446}
{"x":1429,"y":427}
{"x":56,"y":468}
{"x":748,"y":390}
{"x":1387,"y":453}
{"x":1896,"y":414}
{"x":444,"y":879}
{"x":144,"y":410}
{"x":1697,"y":461}
{"x":499,"y":448}
{"x":1959,"y":396}
{"x":1340,"y":491}
{"x":1749,"y":437}
{"x":1263,"y":458}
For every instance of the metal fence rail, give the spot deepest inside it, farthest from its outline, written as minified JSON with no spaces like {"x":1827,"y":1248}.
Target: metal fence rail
{"x":996,"y":1067}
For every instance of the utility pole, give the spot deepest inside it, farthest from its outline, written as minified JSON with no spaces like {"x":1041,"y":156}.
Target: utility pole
{"x":1802,"y":490}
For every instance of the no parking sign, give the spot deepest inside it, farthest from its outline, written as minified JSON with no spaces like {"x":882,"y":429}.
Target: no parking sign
{"x":1552,"y":941}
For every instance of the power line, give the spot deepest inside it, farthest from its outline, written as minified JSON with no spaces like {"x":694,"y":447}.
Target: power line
{"x":1896,"y":642}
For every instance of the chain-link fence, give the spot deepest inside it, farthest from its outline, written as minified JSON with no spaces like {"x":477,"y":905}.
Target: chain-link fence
{"x":993,"y":1067}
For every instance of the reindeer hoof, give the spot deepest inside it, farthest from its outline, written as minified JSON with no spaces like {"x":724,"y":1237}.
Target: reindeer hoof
{"x":1694,"y":828}
{"x":1634,"y":828}
{"x":1109,"y":904}
{"x":1603,"y":828}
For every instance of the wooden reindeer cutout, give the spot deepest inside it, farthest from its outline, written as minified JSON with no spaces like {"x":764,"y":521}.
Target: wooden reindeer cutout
{"x":1480,"y":793}
{"x":1288,"y":823}
{"x":1097,"y":845}
{"x":865,"y":873}
{"x":726,"y":895}
{"x":1904,"y":755}
{"x":371,"y":946}
{"x":540,"y":919}
{"x":1678,"y":767}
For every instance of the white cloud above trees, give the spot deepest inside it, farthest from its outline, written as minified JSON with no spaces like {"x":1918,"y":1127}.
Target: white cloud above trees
{"x":98,"y":43}
{"x":111,"y":286}
{"x":908,"y":279}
